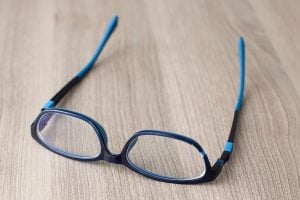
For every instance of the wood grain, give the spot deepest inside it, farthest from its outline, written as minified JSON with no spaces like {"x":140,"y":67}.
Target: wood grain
{"x":171,"y":65}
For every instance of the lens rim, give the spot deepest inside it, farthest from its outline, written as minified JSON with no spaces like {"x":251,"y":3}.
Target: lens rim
{"x":152,"y":175}
{"x":211,"y":172}
{"x":99,"y":131}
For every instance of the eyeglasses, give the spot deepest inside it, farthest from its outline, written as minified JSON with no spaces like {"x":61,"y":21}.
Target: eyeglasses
{"x":160,"y":155}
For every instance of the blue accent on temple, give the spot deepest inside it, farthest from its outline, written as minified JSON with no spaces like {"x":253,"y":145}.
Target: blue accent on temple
{"x":242,"y":74}
{"x":49,"y":104}
{"x":228,"y":147}
{"x":109,"y":30}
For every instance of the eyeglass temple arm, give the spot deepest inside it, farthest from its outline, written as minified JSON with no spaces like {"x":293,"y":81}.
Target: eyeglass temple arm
{"x":61,"y":93}
{"x":229,"y":144}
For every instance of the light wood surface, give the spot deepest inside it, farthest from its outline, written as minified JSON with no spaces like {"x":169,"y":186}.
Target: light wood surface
{"x":171,"y":65}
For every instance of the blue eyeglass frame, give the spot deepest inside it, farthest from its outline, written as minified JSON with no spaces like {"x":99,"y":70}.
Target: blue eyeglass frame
{"x":211,"y":172}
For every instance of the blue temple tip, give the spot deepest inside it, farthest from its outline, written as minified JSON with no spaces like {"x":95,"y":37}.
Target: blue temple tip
{"x":116,"y":17}
{"x":241,"y":46}
{"x":114,"y":22}
{"x":109,"y":30}
{"x":241,"y":41}
{"x":242,"y":73}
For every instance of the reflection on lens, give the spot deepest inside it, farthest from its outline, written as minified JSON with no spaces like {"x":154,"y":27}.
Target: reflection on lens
{"x":166,"y":157}
{"x":68,"y":134}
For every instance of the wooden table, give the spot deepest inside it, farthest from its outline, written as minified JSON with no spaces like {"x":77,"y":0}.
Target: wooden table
{"x":171,"y":65}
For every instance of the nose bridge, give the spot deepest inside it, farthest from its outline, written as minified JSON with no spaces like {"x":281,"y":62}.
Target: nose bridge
{"x":113,"y":158}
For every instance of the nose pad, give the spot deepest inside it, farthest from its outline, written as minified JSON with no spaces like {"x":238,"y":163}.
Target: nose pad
{"x":131,"y":145}
{"x":44,"y":121}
